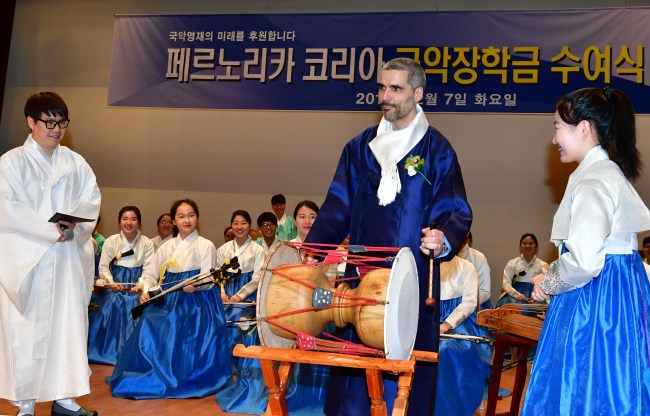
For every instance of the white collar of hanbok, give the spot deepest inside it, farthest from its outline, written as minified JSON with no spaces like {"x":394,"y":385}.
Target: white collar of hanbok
{"x":240,"y":249}
{"x":125,"y":243}
{"x":390,"y":146}
{"x":526,"y":262}
{"x":184,"y":242}
{"x":49,"y":169}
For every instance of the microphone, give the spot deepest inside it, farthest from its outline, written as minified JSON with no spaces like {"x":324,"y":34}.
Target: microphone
{"x":68,"y":234}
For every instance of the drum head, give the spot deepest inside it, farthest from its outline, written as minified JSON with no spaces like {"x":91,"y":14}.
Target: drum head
{"x":401,"y":314}
{"x":279,"y":255}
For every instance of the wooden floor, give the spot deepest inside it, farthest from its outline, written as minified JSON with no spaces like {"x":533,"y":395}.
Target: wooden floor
{"x":101,"y":400}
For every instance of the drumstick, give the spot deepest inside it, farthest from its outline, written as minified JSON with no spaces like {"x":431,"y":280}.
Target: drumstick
{"x":430,"y":300}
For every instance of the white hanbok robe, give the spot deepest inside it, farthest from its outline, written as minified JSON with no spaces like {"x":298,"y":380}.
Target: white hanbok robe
{"x":45,"y":285}
{"x":143,"y":251}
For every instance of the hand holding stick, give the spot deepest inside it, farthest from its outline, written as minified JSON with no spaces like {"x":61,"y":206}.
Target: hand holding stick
{"x":432,"y":265}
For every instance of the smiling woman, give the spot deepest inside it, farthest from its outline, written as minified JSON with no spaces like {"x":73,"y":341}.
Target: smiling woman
{"x":123,"y":259}
{"x":519,"y":272}
{"x":190,"y":323}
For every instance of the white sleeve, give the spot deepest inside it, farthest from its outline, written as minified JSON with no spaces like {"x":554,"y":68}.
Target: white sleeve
{"x":468,"y":302}
{"x":592,"y":211}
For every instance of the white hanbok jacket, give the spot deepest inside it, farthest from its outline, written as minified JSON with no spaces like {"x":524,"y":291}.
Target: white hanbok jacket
{"x":600,"y":213}
{"x":458,"y":278}
{"x":250,"y":256}
{"x":143,"y":251}
{"x":181,"y":255}
{"x":45,"y":285}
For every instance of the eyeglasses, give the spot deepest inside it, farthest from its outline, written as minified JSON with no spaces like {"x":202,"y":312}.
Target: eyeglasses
{"x":51,"y":124}
{"x":166,"y":223}
{"x":267,"y":225}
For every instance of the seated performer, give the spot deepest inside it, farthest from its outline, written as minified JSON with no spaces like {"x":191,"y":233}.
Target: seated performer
{"x":519,"y":272}
{"x":123,"y":258}
{"x":268,"y":224}
{"x":178,"y":349}
{"x":165,"y":230}
{"x":305,"y":392}
{"x":249,"y":393}
{"x":482,"y":267}
{"x":463,"y":365}
{"x":305,"y":214}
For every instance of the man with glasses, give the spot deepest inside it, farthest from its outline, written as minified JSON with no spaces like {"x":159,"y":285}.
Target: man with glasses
{"x":46,"y":268}
{"x":267,"y":222}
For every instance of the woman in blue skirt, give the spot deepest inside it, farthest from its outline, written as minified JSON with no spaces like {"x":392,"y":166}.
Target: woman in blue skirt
{"x":593,"y":356}
{"x":463,"y":365}
{"x":123,"y":258}
{"x":178,"y":349}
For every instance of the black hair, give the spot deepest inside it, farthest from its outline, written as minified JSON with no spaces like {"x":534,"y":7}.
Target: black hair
{"x":241,"y":213}
{"x":306,"y":203}
{"x":611,"y":115}
{"x":646,"y":240}
{"x":226,"y":230}
{"x":178,"y":203}
{"x":416,"y":77}
{"x":267,"y":217}
{"x":127,"y":209}
{"x":532,"y":236}
{"x":278,"y":199}
{"x":49,"y":103}
{"x":162,"y":216}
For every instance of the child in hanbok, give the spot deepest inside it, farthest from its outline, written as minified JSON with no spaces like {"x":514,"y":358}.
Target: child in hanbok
{"x":180,"y":348}
{"x":123,"y":258}
{"x":593,"y":355}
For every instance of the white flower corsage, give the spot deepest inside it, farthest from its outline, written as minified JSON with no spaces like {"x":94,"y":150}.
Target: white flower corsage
{"x":413,"y":165}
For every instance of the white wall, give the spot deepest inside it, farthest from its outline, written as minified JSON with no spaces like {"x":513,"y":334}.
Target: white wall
{"x":229,"y":160}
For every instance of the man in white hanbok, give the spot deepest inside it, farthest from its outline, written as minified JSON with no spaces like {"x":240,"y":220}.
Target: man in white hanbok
{"x":45,"y":278}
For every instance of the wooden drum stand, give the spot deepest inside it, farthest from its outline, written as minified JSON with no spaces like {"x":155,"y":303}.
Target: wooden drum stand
{"x":276,"y":375}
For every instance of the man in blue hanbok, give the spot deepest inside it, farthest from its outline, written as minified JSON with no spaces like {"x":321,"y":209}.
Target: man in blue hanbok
{"x":392,"y":181}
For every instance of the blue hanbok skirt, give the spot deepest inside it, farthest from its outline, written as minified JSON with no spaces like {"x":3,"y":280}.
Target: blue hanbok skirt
{"x":593,"y":356}
{"x":176,"y":350}
{"x":463,"y":367}
{"x":235,"y":313}
{"x":110,"y":324}
{"x":525,"y":288}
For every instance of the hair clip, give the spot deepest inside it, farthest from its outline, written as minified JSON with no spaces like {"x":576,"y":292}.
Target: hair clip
{"x":608,"y":91}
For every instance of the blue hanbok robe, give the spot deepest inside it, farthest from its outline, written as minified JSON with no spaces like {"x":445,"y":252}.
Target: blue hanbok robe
{"x":436,"y":193}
